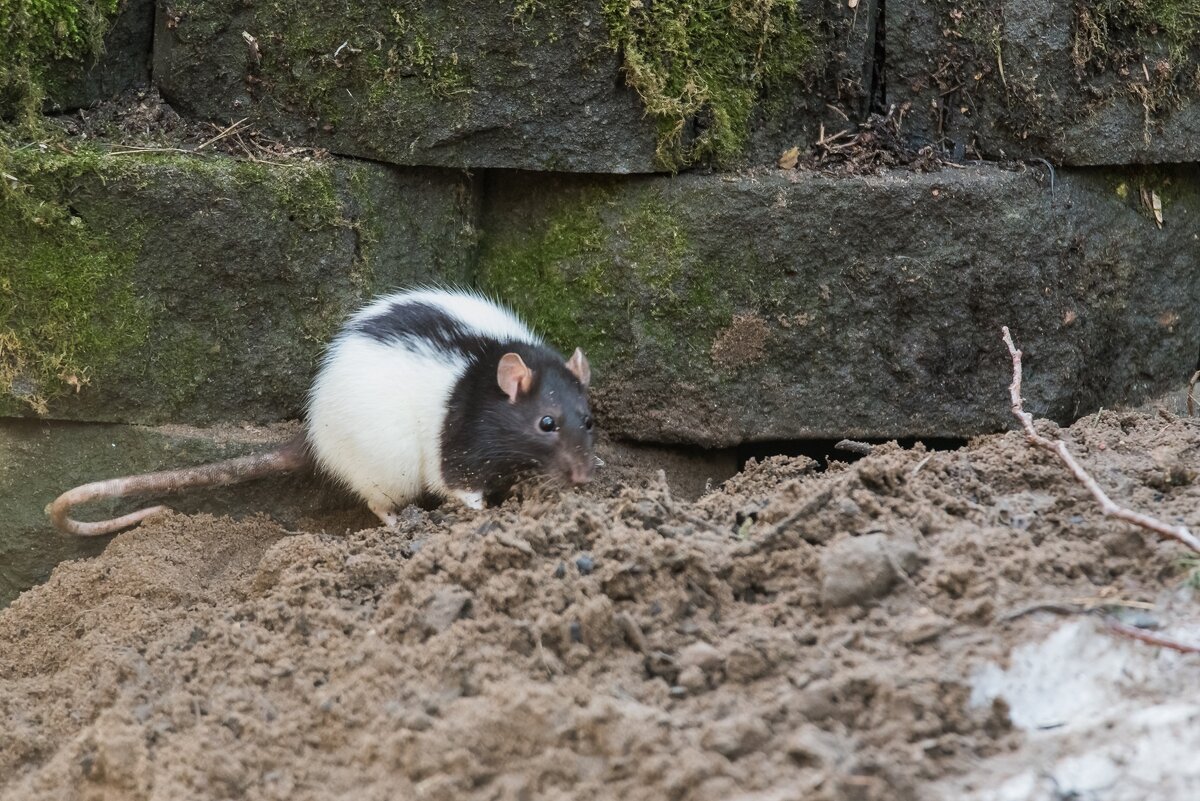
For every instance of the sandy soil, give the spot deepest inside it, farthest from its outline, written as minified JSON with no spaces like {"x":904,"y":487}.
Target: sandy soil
{"x":849,"y":634}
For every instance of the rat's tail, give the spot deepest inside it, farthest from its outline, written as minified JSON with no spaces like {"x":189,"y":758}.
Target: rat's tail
{"x":290,"y":456}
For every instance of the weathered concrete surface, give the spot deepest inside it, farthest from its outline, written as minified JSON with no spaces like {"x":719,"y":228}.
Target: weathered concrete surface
{"x":162,"y":288}
{"x":40,"y":460}
{"x":727,"y":308}
{"x":1044,"y":79}
{"x":483,"y":84}
{"x":125,"y":62}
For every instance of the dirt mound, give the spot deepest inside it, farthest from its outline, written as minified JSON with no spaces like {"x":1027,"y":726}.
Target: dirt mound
{"x":793,"y":634}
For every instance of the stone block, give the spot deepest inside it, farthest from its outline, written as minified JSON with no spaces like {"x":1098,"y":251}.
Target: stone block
{"x":1075,"y":83}
{"x":610,"y":87}
{"x":768,"y":305}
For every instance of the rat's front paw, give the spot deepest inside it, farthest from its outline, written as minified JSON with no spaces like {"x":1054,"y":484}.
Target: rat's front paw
{"x":471,"y":500}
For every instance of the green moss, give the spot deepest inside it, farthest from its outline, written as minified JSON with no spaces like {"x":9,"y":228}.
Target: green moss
{"x":709,"y":63}
{"x":553,"y":275}
{"x":335,"y":56}
{"x":35,"y":33}
{"x":305,"y":192}
{"x":68,"y":308}
{"x":422,"y":48}
{"x":611,"y":274}
{"x":1103,"y":26}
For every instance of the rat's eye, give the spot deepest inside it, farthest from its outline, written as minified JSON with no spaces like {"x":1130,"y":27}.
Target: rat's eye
{"x":587,"y":422}
{"x":547,"y":424}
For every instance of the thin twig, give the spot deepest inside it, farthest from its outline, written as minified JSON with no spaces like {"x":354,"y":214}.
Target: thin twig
{"x":1162,"y":641}
{"x":133,"y":149}
{"x":226,"y":132}
{"x":1191,"y":399}
{"x":668,"y":505}
{"x":921,"y":464}
{"x":838,"y":111}
{"x":1074,"y":606}
{"x":1050,"y":168}
{"x":778,"y":533}
{"x":1059,"y":448}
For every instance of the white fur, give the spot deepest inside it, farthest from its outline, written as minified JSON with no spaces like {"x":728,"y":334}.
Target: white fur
{"x":376,"y":409}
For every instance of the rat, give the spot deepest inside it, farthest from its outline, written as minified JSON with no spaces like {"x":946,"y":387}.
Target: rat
{"x":436,"y":391}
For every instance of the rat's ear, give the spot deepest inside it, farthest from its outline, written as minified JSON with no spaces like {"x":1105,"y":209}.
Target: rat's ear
{"x":578,"y":364}
{"x":514,"y":376}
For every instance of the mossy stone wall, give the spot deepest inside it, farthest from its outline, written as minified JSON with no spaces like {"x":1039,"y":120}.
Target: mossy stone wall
{"x":66,"y":54}
{"x":607,"y":86}
{"x":155,"y":287}
{"x":724,"y":309}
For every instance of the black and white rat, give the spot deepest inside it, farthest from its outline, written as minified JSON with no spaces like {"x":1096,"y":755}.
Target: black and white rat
{"x":428,"y":390}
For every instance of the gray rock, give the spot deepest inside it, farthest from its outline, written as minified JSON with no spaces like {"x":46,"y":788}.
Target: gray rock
{"x":736,"y":736}
{"x":483,"y":84}
{"x":855,"y":570}
{"x":178,"y":288}
{"x":444,"y":607}
{"x":1044,"y":79}
{"x":720,"y":309}
{"x":716,"y":309}
{"x":700,"y":655}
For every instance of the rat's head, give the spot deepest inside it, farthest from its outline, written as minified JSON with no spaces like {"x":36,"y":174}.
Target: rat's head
{"x":545,"y":413}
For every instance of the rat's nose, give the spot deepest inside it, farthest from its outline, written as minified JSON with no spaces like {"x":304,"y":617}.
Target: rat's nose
{"x":580,"y":474}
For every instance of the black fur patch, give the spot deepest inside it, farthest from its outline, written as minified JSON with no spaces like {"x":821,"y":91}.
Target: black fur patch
{"x":422,"y":323}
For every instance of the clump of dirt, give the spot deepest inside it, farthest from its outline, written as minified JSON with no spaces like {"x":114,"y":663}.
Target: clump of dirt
{"x":794,"y":633}
{"x":742,"y":342}
{"x":139,"y":119}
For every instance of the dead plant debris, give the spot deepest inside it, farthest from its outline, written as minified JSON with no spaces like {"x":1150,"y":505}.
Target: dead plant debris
{"x":868,"y":149}
{"x":140,"y":121}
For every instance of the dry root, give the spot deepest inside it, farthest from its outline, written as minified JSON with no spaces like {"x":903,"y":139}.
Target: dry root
{"x":1110,"y":509}
{"x":1142,"y":635}
{"x":1059,"y":448}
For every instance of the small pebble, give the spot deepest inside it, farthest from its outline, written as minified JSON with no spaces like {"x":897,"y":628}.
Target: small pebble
{"x":859,"y":569}
{"x":692,"y":678}
{"x":735,"y":737}
{"x":701,"y":655}
{"x":810,"y":747}
{"x":585,"y":564}
{"x":444,"y":607}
